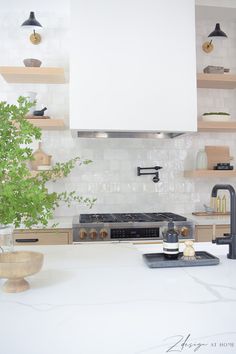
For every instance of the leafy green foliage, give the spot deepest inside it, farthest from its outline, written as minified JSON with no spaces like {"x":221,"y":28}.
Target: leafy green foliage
{"x":23,"y":198}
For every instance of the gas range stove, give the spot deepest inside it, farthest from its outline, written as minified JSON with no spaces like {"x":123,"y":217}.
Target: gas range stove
{"x":127,"y":226}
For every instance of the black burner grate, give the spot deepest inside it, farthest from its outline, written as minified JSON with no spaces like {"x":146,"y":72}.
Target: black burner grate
{"x":130,"y":217}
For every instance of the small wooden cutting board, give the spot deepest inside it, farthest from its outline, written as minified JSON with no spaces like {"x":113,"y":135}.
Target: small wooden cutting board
{"x":217,"y":154}
{"x":40,"y":158}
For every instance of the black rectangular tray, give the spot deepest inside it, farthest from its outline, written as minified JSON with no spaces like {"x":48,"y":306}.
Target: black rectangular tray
{"x":158,"y":260}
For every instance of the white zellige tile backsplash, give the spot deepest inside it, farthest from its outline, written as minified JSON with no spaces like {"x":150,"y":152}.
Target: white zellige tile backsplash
{"x":112,"y":177}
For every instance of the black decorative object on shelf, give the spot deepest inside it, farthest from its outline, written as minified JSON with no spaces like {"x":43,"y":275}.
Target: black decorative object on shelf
{"x":40,"y":113}
{"x":155,"y":178}
{"x":223,"y":166}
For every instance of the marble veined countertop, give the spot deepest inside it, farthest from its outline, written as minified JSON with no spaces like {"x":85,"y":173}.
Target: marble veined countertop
{"x":103,"y":299}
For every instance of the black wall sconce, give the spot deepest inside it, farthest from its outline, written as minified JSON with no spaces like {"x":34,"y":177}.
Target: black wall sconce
{"x":208,"y":47}
{"x":155,"y":178}
{"x":35,"y":38}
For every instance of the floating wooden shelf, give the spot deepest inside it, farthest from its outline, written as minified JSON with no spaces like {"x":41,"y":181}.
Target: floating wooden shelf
{"x":213,"y":213}
{"x":44,"y":75}
{"x":35,"y":173}
{"x":219,"y":127}
{"x":48,"y":124}
{"x":209,"y":173}
{"x":218,"y":81}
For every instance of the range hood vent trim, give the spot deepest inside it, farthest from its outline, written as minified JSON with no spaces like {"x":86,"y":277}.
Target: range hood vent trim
{"x":127,"y":134}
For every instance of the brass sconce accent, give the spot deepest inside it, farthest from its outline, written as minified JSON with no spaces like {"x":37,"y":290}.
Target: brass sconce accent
{"x":35,"y":38}
{"x":208,"y":47}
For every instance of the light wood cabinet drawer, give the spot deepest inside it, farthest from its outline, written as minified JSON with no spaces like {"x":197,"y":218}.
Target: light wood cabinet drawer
{"x":45,"y":237}
{"x":205,"y":233}
{"x":221,"y":230}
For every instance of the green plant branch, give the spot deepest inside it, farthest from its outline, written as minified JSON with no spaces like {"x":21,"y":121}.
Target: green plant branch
{"x":25,"y":199}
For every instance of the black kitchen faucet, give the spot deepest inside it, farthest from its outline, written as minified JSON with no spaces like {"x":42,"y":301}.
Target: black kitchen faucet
{"x":231,"y":238}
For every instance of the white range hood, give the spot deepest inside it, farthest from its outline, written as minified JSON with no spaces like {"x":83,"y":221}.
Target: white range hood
{"x":133,"y":68}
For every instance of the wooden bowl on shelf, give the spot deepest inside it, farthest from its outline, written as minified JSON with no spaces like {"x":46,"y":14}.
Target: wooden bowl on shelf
{"x":14,"y":266}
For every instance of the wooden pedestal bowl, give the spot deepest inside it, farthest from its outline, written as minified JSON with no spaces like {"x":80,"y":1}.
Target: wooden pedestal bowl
{"x":14,"y":266}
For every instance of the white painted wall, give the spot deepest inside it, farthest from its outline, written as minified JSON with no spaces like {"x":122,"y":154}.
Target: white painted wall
{"x":34,"y":5}
{"x":112,"y":175}
{"x":127,"y":58}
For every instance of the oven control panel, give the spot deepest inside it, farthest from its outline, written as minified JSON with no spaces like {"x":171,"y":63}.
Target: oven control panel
{"x":91,"y":233}
{"x":86,"y":234}
{"x":136,"y":233}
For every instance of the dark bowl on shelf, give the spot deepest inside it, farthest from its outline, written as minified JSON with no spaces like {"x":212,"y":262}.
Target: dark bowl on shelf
{"x":223,"y":166}
{"x":30,"y":62}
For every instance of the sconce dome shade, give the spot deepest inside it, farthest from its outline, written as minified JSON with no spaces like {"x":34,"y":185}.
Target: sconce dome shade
{"x":217,"y":32}
{"x":31,"y":21}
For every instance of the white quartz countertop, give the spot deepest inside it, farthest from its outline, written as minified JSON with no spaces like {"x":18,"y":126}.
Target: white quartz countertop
{"x":103,"y":299}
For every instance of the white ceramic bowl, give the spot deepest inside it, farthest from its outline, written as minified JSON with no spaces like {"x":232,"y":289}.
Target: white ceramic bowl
{"x":216,"y":118}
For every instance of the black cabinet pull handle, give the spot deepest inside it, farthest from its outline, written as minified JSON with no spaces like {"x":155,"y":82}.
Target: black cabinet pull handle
{"x":25,"y":240}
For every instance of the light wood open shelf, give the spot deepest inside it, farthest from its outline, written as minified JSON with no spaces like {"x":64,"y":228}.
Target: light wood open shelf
{"x":209,"y":173}
{"x":219,"y":127}
{"x":48,"y":124}
{"x":41,"y":75}
{"x":218,"y":81}
{"x":34,"y":173}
